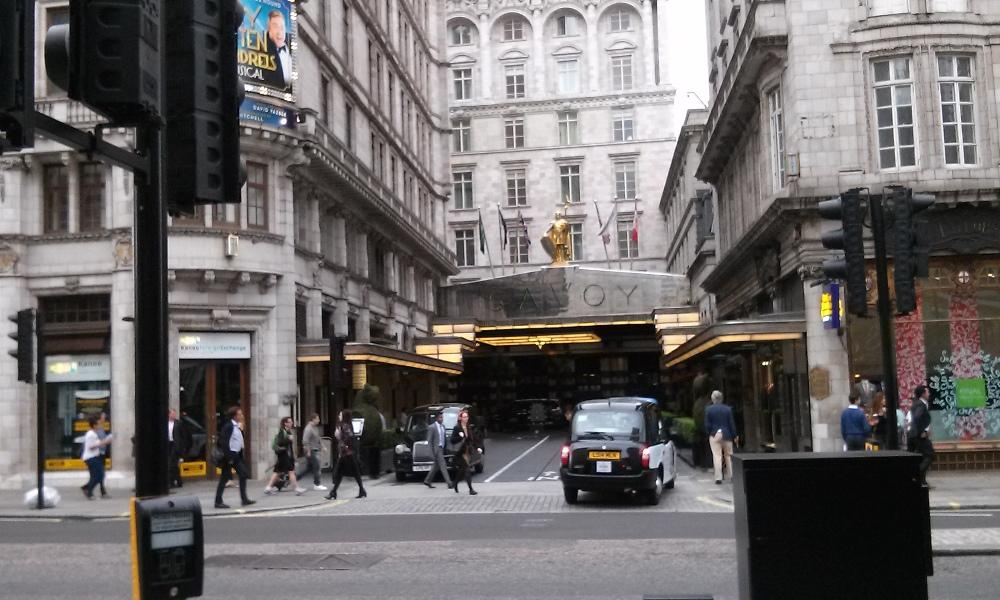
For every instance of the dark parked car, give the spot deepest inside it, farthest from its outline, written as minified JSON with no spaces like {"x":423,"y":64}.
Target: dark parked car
{"x":413,"y":456}
{"x":527,"y":412}
{"x":618,"y":444}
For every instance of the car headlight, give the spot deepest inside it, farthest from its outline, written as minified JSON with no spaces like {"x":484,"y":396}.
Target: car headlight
{"x":402,"y":449}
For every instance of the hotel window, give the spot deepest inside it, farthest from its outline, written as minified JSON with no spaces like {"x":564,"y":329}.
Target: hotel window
{"x":569,"y":182}
{"x":567,"y":25}
{"x":888,"y":7}
{"x":576,"y":241}
{"x":625,"y":181}
{"x":517,"y":188}
{"x":622,"y":125}
{"x":461,"y":35}
{"x":461,"y":135}
{"x":513,"y":29}
{"x":513,"y":132}
{"x":517,"y":240}
{"x":347,"y":36}
{"x":256,"y":195}
{"x":392,"y":97}
{"x":222,"y":215}
{"x":628,"y":245}
{"x":897,"y":141}
{"x":959,"y":6}
{"x":461,"y":184}
{"x":569,"y":132}
{"x":324,"y":101}
{"x":465,"y":247}
{"x":55,"y":206}
{"x":777,"y":120}
{"x":349,"y":126}
{"x":91,"y":196}
{"x":514,"y":76}
{"x":462,"y":80}
{"x":569,"y":76}
{"x":621,"y":73}
{"x":619,"y":19}
{"x":958,"y":123}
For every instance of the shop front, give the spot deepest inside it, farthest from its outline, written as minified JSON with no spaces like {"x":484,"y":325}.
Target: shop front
{"x":77,"y":388}
{"x":214,"y":375}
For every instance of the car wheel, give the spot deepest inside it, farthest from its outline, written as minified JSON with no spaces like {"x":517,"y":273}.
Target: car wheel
{"x":670,"y":484}
{"x":570,"y":494}
{"x":653,"y":495}
{"x":400,"y":476}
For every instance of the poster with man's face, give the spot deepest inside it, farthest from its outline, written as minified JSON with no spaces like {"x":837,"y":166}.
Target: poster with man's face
{"x":265,"y":46}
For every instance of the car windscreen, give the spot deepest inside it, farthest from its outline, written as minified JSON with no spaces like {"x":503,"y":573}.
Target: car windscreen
{"x":416,"y":427}
{"x":607,"y":424}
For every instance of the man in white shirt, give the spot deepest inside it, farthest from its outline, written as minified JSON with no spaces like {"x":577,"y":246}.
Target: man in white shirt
{"x":93,"y":457}
{"x":231,"y":443}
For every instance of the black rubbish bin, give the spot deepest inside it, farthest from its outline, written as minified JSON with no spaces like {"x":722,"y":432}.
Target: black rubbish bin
{"x":805,"y":525}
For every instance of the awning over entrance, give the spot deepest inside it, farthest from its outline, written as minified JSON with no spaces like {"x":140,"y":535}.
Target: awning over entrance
{"x":772,"y":328}
{"x":373,"y":353}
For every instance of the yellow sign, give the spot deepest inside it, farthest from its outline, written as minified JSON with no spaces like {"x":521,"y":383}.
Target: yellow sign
{"x":604,"y":455}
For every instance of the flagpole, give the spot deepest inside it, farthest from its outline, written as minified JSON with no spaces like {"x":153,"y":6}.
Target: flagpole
{"x":503,"y":241}
{"x":486,"y":239}
{"x":600,"y":224}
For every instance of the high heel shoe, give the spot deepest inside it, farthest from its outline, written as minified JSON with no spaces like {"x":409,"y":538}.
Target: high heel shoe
{"x":473,"y":492}
{"x":332,"y":495}
{"x":362,"y":494}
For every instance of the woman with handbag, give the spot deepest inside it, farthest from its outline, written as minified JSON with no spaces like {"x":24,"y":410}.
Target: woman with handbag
{"x":468,"y":450}
{"x":347,"y":455}
{"x":283,"y":446}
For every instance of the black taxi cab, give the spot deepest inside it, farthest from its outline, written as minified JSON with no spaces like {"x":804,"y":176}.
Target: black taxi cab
{"x":617,"y":444}
{"x":413,"y":456}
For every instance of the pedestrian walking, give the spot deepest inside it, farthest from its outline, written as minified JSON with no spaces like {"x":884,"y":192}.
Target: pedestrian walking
{"x":102,"y":434}
{"x":283,"y":446}
{"x":468,"y":450}
{"x":230,"y":445}
{"x":312,"y":446}
{"x":178,"y":444}
{"x":436,"y":437}
{"x":347,"y":455}
{"x":918,"y":435}
{"x":854,"y":427}
{"x":92,"y":456}
{"x":721,"y":431}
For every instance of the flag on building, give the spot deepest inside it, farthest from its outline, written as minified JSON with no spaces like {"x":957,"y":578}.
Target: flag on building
{"x":482,"y":235}
{"x":635,"y":227}
{"x":503,"y":228}
{"x":606,"y":226}
{"x":524,"y":227}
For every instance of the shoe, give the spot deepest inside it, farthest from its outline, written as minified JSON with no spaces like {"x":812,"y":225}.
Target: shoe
{"x":221,"y":505}
{"x":105,"y":496}
{"x":319,"y":488}
{"x":299,"y":491}
{"x":332,"y":495}
{"x":718,"y":482}
{"x":473,"y":493}
{"x":249,"y":502}
{"x":454,"y":487}
{"x":428,"y":485}
{"x":269,"y":490}
{"x":362,"y":494}
{"x":83,"y":489}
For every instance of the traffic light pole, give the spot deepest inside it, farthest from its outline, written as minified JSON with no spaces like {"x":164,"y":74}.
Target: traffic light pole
{"x":885,"y":321}
{"x":151,"y":333}
{"x":40,"y":409}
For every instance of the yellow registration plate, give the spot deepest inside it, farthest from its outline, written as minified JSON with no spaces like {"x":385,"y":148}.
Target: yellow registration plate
{"x":604,"y":455}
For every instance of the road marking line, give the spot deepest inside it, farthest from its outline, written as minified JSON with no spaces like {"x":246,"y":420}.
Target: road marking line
{"x":955,"y":505}
{"x":950,"y":513}
{"x":511,"y":463}
{"x":708,"y":500}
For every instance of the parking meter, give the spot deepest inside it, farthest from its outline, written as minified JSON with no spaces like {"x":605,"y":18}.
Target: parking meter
{"x":167,"y":548}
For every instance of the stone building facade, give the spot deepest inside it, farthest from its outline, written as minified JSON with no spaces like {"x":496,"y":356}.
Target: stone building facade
{"x":558,"y":106}
{"x":812,"y":99}
{"x":340,"y":230}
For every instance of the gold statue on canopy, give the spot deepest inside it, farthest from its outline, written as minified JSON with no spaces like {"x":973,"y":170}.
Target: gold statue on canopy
{"x":556,"y":241}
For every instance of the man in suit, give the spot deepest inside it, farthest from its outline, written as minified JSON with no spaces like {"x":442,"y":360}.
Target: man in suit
{"x":918,"y":436}
{"x":721,"y":431}
{"x":231,"y":443}
{"x":435,"y":442}
{"x":179,"y":442}
{"x":279,"y":49}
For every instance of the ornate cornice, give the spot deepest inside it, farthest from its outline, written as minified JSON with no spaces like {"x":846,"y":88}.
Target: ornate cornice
{"x":660,"y":96}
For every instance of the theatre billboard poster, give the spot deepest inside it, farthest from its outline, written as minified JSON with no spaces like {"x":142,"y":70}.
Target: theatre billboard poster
{"x":267,"y":47}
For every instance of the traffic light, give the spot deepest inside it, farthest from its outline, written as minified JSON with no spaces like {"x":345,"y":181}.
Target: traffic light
{"x":202,"y":163}
{"x":108,"y":57}
{"x":908,"y":258}
{"x":17,"y":74}
{"x":850,"y":211}
{"x":25,"y":338}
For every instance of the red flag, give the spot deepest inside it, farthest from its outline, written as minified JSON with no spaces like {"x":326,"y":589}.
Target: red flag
{"x":635,"y":227}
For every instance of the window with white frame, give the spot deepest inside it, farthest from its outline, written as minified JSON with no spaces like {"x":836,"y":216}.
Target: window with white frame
{"x":568,"y":75}
{"x":628,"y":242}
{"x":956,"y":81}
{"x":461,"y":34}
{"x":949,"y":6}
{"x":625,"y":181}
{"x":619,"y":19}
{"x":567,"y":25}
{"x":569,"y":131}
{"x":513,"y":132}
{"x":622,"y":125}
{"x":576,"y":241}
{"x":461,"y":186}
{"x":517,"y":188}
{"x":569,"y":183}
{"x":465,"y":247}
{"x":462,"y":79}
{"x":621,"y":73}
{"x":777,"y":121}
{"x":461,"y":135}
{"x":514,"y":76}
{"x":517,"y":240}
{"x":513,"y":29}
{"x":888,"y":7}
{"x":897,"y":142}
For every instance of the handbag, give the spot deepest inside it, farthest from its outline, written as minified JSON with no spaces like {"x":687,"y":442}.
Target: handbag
{"x":218,"y":456}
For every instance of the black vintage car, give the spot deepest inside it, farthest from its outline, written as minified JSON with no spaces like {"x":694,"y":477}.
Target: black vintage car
{"x":413,"y":456}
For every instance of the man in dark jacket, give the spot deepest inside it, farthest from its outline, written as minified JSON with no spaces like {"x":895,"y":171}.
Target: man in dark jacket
{"x":854,"y":427}
{"x":721,"y":431}
{"x":918,"y":436}
{"x":179,"y":442}
{"x":231,"y":444}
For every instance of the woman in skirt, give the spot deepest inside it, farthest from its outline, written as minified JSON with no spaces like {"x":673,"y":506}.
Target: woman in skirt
{"x":284,"y":449}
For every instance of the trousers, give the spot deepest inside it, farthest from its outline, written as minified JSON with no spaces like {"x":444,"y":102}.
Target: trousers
{"x":722,"y":455}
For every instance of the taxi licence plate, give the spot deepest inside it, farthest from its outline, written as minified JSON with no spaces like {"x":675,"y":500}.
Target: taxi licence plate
{"x":604,"y":455}
{"x":419,"y":468}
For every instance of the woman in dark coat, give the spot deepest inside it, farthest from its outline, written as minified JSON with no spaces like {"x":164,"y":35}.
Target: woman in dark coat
{"x":468,"y":450}
{"x":347,"y":455}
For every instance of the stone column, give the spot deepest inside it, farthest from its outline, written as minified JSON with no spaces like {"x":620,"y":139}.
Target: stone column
{"x":824,"y":351}
{"x":485,"y":58}
{"x":341,"y":315}
{"x":339,"y":232}
{"x":538,"y":63}
{"x":649,"y":45}
{"x":594,"y":60}
{"x":363,"y":325}
{"x":123,"y":371}
{"x":362,"y":241}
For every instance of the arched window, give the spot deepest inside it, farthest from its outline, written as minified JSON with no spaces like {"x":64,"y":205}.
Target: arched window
{"x":460,"y":34}
{"x":619,"y":19}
